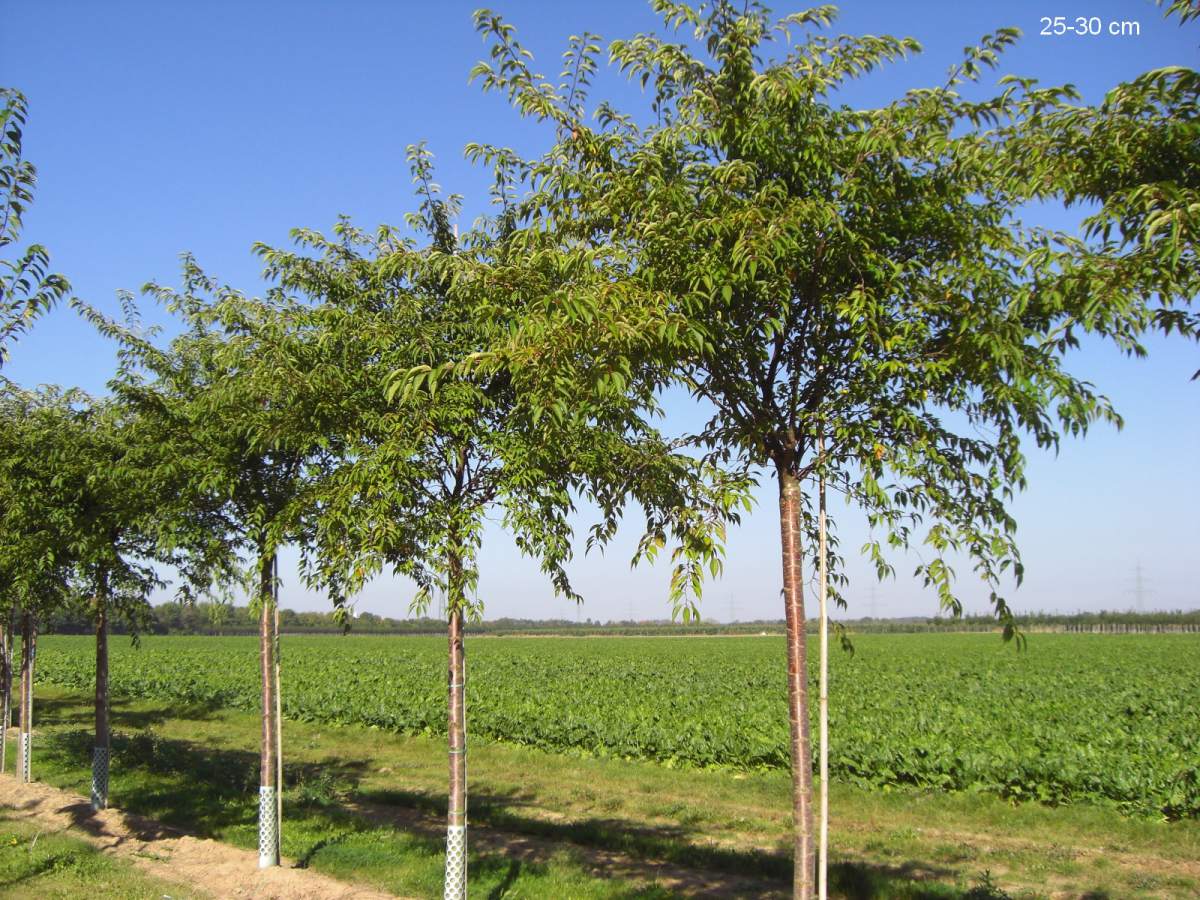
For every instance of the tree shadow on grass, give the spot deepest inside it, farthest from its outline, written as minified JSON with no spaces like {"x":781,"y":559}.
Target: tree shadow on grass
{"x":68,"y":711}
{"x":195,"y":789}
{"x":677,"y":844}
{"x":206,"y":791}
{"x":633,"y":850}
{"x":910,"y":880}
{"x":511,"y":874}
{"x":45,"y":866}
{"x":23,"y":861}
{"x":198,"y":790}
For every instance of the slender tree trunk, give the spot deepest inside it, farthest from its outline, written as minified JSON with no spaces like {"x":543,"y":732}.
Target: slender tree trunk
{"x":28,"y":656}
{"x":278,"y":715}
{"x":268,"y":802}
{"x":456,"y":819}
{"x":797,"y":673}
{"x":823,"y":700}
{"x":6,"y":667}
{"x":100,"y":752}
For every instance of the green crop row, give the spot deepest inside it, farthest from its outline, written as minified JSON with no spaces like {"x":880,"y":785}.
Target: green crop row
{"x":1107,"y":719}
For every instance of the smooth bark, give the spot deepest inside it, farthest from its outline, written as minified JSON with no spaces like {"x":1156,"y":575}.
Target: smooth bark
{"x":6,"y":669}
{"x":278,"y":715}
{"x":456,"y":815}
{"x":804,"y":852}
{"x":823,"y":698}
{"x":28,"y":658}
{"x":268,"y":809}
{"x":100,"y":752}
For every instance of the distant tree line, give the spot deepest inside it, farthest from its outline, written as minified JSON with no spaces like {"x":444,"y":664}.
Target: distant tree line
{"x":207,"y":618}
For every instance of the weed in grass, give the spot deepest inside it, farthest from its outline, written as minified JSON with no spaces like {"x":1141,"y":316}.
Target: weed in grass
{"x":1061,"y":854}
{"x":1144,"y":881}
{"x":35,"y":863}
{"x":986,"y":888}
{"x":954,"y":853}
{"x":320,"y":789}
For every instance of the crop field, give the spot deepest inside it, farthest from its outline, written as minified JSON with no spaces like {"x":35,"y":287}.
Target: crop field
{"x":1113,"y":720}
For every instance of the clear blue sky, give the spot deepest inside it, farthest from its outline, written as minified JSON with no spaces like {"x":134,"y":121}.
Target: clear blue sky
{"x":164,"y":127}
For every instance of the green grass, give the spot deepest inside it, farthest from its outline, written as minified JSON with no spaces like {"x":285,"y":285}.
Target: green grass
{"x":1101,"y":719}
{"x":366,"y":805}
{"x":209,"y":787}
{"x":35,"y":864}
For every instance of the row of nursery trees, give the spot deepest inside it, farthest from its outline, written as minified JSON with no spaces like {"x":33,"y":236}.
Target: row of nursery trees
{"x":851,"y":292}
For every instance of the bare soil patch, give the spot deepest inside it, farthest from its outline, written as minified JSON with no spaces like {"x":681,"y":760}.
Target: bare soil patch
{"x":201,"y":864}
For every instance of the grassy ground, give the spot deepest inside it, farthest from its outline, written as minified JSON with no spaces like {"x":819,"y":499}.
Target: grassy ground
{"x":35,"y":865}
{"x":364,"y":805}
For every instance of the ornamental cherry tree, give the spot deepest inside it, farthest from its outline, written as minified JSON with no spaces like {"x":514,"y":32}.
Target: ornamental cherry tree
{"x":422,"y":460}
{"x":815,"y":274}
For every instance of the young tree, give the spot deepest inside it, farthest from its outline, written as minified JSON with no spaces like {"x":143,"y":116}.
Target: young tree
{"x":231,"y":433}
{"x":423,"y":461}
{"x":28,"y":655}
{"x":27,"y":287}
{"x":823,"y":683}
{"x":36,"y":556}
{"x":7,"y":628}
{"x":108,"y":486}
{"x":86,"y":469}
{"x":813,"y":271}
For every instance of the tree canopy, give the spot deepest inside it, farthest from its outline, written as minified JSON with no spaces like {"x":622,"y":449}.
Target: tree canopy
{"x":424,"y":459}
{"x":855,"y":279}
{"x":27,"y":286}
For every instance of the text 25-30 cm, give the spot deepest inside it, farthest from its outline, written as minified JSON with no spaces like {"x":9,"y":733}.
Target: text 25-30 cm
{"x":1088,"y":26}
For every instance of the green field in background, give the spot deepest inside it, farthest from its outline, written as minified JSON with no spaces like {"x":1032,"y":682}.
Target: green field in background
{"x":1097,"y":718}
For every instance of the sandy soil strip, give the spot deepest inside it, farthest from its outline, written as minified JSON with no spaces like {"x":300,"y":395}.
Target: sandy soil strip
{"x":202,"y":865}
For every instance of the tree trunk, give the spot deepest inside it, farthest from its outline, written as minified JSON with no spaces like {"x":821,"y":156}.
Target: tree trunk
{"x":456,"y":819}
{"x":100,"y":752}
{"x":28,"y":656}
{"x":278,"y":714}
{"x":6,"y":667}
{"x":797,"y":669}
{"x":823,"y":697}
{"x":268,"y":808}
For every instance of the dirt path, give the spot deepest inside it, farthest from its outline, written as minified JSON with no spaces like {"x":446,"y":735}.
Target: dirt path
{"x":215,"y":868}
{"x":224,"y":871}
